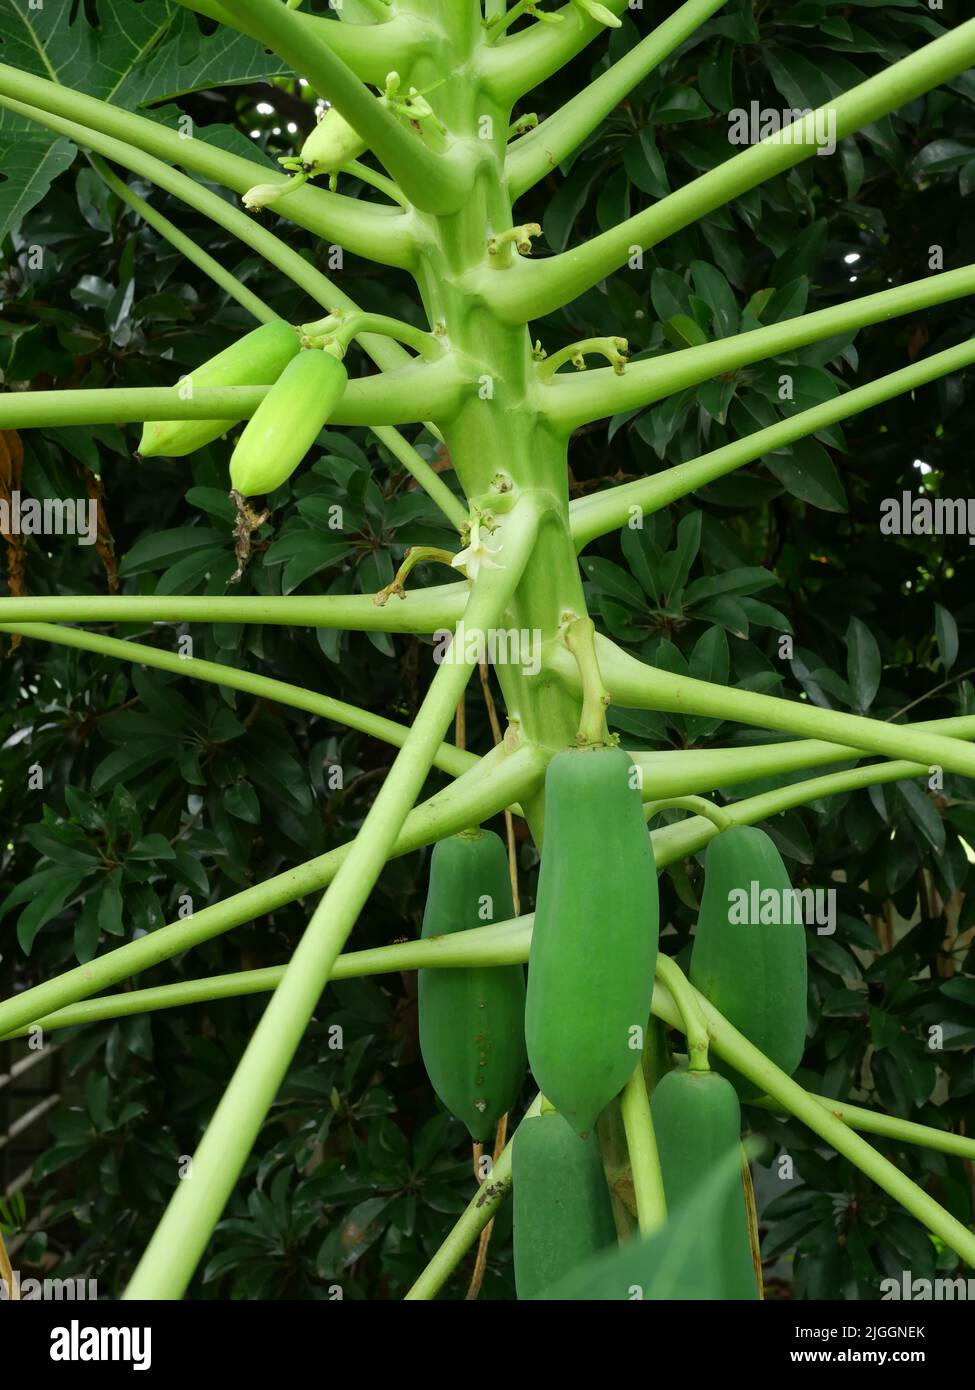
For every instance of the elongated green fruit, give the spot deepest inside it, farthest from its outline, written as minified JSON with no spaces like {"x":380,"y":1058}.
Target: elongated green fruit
{"x":472,"y":1020}
{"x":257,"y":359}
{"x":594,"y":942}
{"x":697,"y":1123}
{"x":749,"y":952}
{"x":562,"y":1213}
{"x":683,"y":1259}
{"x":332,"y":144}
{"x":287,"y":422}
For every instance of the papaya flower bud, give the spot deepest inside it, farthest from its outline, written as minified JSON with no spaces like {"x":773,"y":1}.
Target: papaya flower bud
{"x":261,"y":194}
{"x":599,"y":12}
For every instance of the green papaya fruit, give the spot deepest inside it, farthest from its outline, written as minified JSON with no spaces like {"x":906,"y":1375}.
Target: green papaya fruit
{"x":749,"y":955}
{"x":287,"y":422}
{"x":331,"y":144}
{"x":682,"y":1260}
{"x":697,"y":1122}
{"x":561,"y":1208}
{"x":594,"y":942}
{"x":472,"y":1020}
{"x":257,"y":359}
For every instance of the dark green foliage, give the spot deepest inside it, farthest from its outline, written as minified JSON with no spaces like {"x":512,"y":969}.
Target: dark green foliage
{"x":355,"y":1179}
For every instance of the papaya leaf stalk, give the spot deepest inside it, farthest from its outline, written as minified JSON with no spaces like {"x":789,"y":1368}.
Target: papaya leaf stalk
{"x":182,"y":1235}
{"x":494,"y":784}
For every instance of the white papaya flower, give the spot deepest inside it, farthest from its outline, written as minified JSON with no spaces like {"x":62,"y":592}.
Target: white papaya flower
{"x":477,"y":556}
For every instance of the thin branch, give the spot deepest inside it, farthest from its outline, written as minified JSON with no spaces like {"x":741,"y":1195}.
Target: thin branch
{"x":751,"y":1213}
{"x":233,"y":219}
{"x":330,"y":215}
{"x":497,"y":782}
{"x":637,"y":686}
{"x":602,"y":512}
{"x":501,"y":943}
{"x":905,"y":1132}
{"x":483,"y":671}
{"x":406,"y":396}
{"x":503,"y":21}
{"x":479,"y":1211}
{"x":483,"y":1245}
{"x":370,"y":50}
{"x":422,"y":611}
{"x":525,"y":60}
{"x":686,"y":837}
{"x":125,"y":405}
{"x":935,"y":690}
{"x":696,"y":770}
{"x":808,"y":1109}
{"x":452,"y":508}
{"x":183,"y":1233}
{"x":579,"y":638}
{"x":436,"y":183}
{"x":541,"y":151}
{"x":533,"y":289}
{"x":641,"y":1144}
{"x":343,"y":328}
{"x":700,"y":806}
{"x":448,"y":759}
{"x":185,"y":244}
{"x":569,"y":402}
{"x":694,"y":1028}
{"x":460,"y":722}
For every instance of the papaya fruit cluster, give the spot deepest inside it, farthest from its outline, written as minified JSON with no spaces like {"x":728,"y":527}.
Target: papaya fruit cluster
{"x":581,"y":1023}
{"x":306,"y":384}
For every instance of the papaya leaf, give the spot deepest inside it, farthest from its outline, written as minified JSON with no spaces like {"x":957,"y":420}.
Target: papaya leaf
{"x":136,"y":56}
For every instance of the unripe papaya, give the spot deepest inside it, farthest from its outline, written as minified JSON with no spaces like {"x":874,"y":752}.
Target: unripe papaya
{"x":594,"y":942}
{"x":472,"y":1019}
{"x":332,"y":144}
{"x":257,"y":359}
{"x":683,"y":1259}
{"x":287,"y":422}
{"x":561,"y":1209}
{"x":697,"y":1123}
{"x":749,"y":955}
